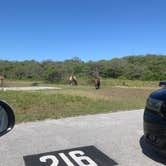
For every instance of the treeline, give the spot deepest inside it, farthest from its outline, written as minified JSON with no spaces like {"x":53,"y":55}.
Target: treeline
{"x":148,"y":67}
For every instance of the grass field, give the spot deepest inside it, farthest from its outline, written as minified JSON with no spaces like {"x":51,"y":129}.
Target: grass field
{"x":81,"y":81}
{"x":73,"y":101}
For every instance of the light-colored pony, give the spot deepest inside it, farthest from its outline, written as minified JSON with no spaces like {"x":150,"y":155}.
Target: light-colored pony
{"x":73,"y":80}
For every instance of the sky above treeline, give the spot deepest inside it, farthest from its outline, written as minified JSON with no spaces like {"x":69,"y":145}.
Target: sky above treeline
{"x":88,"y":29}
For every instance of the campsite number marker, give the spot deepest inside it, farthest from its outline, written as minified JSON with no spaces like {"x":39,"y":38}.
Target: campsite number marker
{"x":81,"y":156}
{"x":78,"y":156}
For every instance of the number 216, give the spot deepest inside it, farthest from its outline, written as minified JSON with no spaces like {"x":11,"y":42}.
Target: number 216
{"x":73,"y":154}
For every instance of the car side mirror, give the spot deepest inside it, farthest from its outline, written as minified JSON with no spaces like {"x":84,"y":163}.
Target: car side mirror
{"x":7,"y":118}
{"x":162,"y":84}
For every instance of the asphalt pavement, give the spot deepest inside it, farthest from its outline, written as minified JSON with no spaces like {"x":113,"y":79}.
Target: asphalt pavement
{"x":118,"y":135}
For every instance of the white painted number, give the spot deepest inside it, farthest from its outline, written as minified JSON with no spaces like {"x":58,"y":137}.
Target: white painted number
{"x":74,"y":155}
{"x":55,"y":161}
{"x":65,"y":159}
{"x":79,"y":159}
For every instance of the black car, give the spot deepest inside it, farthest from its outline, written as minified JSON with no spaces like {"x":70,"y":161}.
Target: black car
{"x":155,"y":119}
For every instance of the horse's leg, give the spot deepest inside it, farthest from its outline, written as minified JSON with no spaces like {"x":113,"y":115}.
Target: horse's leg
{"x":75,"y":82}
{"x":97,"y":84}
{"x":70,"y":83}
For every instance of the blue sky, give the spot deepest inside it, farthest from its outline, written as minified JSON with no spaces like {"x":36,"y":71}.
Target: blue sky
{"x":88,"y":29}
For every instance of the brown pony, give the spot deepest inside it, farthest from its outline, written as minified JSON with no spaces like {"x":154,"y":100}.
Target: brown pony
{"x":97,"y":82}
{"x":1,"y":80}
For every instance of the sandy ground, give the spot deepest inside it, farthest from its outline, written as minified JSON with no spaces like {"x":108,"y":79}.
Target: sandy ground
{"x":28,"y":88}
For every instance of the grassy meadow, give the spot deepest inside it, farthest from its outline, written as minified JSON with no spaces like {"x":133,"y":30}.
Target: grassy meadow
{"x":114,"y":95}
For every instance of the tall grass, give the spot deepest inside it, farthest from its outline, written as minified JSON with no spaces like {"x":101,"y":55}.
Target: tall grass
{"x":73,"y":101}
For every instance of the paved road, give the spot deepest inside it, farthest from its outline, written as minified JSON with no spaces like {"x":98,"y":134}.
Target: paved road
{"x":118,"y":135}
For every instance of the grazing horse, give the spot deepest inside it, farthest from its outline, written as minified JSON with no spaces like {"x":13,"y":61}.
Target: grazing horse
{"x":72,"y":80}
{"x":97,"y":82}
{"x":1,"y":80}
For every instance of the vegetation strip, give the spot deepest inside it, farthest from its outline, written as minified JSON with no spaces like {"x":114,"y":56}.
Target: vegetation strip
{"x":148,"y":67}
{"x":81,"y":100}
